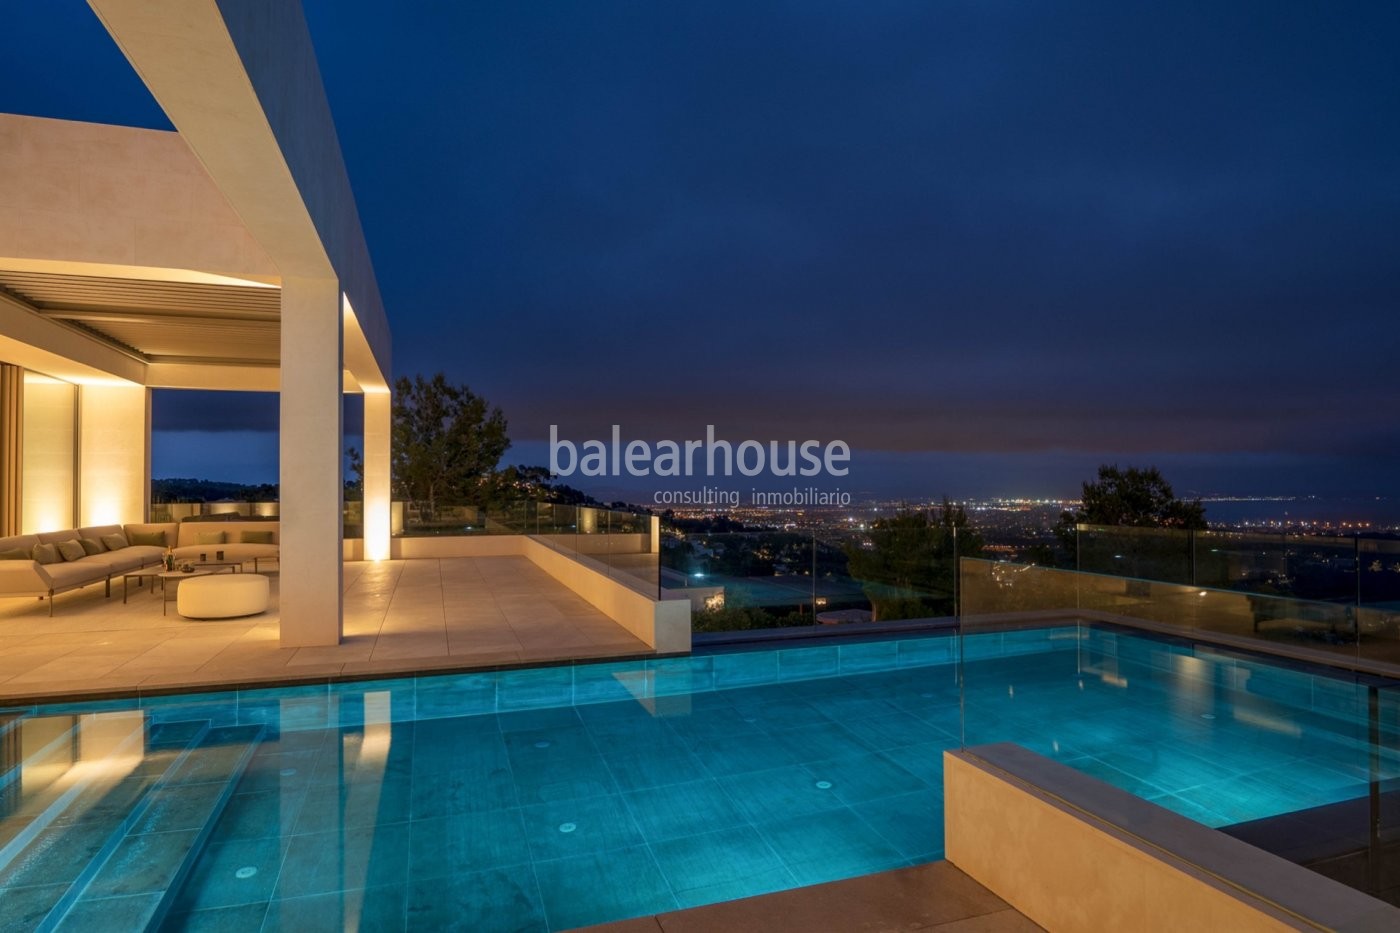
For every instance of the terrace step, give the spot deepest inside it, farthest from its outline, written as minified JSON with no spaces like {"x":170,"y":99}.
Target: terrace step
{"x":134,"y":882}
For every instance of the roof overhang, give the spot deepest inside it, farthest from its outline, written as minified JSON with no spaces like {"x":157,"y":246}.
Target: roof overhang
{"x":152,"y":257}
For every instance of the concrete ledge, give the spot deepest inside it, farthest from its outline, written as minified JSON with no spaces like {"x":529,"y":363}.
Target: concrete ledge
{"x":934,"y":897}
{"x":1073,"y":853}
{"x":662,"y":624}
{"x":599,"y":543}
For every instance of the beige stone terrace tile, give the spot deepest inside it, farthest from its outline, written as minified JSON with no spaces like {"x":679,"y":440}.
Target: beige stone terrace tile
{"x":452,"y":615}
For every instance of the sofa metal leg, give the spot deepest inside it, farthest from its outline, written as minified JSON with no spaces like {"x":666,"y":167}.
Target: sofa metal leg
{"x":109,"y":587}
{"x":50,"y":604}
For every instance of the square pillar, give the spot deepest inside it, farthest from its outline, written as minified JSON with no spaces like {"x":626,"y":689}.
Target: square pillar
{"x":114,"y":454}
{"x":311,"y":467}
{"x":378,"y":496}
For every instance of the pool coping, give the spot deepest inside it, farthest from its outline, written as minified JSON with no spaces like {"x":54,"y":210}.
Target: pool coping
{"x":407,"y":668}
{"x":776,"y":639}
{"x":410,"y":667}
{"x":930,"y":896}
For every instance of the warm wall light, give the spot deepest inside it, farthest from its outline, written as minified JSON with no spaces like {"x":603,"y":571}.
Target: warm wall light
{"x":377,"y":538}
{"x":50,"y":437}
{"x":48,"y":520}
{"x":103,"y":510}
{"x":113,"y":454}
{"x":378,"y":507}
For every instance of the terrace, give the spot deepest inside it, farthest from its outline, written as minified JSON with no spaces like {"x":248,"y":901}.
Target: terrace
{"x":401,"y":615}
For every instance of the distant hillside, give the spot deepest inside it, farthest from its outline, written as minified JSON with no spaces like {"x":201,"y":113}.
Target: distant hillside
{"x":208,"y":490}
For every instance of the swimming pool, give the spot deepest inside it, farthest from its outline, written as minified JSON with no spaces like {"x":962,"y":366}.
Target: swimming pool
{"x":546,"y":799}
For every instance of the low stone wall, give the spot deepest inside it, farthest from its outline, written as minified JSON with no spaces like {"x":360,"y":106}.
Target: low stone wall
{"x":1073,"y":853}
{"x":662,"y":624}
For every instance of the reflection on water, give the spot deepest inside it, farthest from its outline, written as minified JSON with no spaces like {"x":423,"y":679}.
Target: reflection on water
{"x":553,"y":798}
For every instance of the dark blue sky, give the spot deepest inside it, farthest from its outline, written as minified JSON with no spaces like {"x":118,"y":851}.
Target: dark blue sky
{"x":988,"y":244}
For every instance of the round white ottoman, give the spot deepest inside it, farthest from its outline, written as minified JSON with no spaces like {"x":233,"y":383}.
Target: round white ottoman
{"x":222,"y":596}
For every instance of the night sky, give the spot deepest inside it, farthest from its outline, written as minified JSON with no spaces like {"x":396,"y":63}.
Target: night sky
{"x":988,"y":244}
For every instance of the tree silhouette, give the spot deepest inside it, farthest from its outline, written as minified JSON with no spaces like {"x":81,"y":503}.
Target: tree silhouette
{"x":1135,"y":497}
{"x":908,"y":568}
{"x":446,"y":441}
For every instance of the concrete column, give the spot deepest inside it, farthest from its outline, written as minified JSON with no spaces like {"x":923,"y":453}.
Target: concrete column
{"x":11,"y":448}
{"x":378,"y":496}
{"x":114,"y":454}
{"x":312,"y":484}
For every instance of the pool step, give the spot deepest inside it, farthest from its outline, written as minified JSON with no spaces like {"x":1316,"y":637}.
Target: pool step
{"x":93,"y":783}
{"x":133,"y":882}
{"x":42,"y":788}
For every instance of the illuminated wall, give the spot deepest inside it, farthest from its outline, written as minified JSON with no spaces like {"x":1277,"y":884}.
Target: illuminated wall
{"x":378,"y":516}
{"x":50,"y":454}
{"x":114,"y":454}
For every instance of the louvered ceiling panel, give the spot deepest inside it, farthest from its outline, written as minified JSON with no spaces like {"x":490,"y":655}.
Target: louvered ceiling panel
{"x":244,"y":341}
{"x":92,"y":292}
{"x":160,"y":320}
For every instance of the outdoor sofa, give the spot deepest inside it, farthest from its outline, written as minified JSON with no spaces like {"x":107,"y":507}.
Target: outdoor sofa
{"x":58,"y":561}
{"x":239,"y":541}
{"x":48,"y":570}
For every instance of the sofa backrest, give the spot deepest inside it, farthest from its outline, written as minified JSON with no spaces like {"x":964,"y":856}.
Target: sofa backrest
{"x":17,"y":542}
{"x":233,"y":531}
{"x":167,"y":528}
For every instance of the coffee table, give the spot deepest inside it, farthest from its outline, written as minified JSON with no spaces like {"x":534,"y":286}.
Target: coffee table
{"x":233,"y":566}
{"x":140,"y":576}
{"x":170,"y":584}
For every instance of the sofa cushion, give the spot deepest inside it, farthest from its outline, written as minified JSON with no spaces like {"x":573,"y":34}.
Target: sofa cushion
{"x":169,"y":529}
{"x":188,"y":532}
{"x":209,"y":537}
{"x":65,"y":575}
{"x":17,"y":553}
{"x":57,"y":537}
{"x":92,"y":545}
{"x":129,"y":558}
{"x":148,"y":538}
{"x":114,"y":541}
{"x":72,"y":550}
{"x":255,"y":537}
{"x":46,"y":554}
{"x":231,"y":552}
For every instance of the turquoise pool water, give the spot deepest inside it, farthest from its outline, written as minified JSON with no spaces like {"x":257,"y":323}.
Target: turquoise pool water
{"x":552,"y":798}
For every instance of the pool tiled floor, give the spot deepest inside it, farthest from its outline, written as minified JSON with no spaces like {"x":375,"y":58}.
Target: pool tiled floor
{"x":540,"y":802}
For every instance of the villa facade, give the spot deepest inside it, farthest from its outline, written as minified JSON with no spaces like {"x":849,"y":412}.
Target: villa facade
{"x":226,"y":255}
